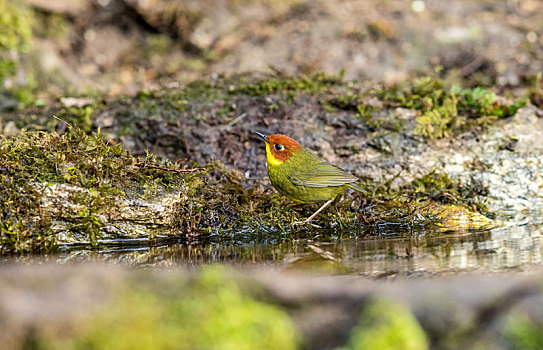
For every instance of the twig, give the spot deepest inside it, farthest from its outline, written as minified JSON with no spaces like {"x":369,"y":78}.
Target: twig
{"x":193,"y":170}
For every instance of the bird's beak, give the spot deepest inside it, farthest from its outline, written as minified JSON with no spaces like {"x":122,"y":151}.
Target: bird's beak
{"x":264,"y":137}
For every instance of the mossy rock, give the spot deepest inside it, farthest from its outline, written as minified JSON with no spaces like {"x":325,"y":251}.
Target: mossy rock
{"x":455,"y":218}
{"x":75,"y":188}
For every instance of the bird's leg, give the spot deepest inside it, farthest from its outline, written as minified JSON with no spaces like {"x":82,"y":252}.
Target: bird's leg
{"x":318,"y":211}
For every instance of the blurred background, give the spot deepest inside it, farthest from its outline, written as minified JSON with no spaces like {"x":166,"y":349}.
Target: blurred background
{"x":54,"y":47}
{"x":97,"y":49}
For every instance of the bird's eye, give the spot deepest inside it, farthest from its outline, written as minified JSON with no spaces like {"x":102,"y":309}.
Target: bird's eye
{"x":279,"y":147}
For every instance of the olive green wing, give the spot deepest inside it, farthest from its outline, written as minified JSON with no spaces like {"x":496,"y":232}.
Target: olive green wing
{"x":321,"y":175}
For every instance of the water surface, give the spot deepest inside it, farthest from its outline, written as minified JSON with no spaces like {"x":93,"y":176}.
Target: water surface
{"x":517,"y":247}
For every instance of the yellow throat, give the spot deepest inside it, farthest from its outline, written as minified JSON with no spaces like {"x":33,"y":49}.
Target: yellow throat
{"x":269,"y":156}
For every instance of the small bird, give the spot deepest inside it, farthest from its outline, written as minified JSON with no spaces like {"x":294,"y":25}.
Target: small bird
{"x":299,"y":175}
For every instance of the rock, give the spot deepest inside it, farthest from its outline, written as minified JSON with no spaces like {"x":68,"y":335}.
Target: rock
{"x":76,"y":101}
{"x":127,"y":217}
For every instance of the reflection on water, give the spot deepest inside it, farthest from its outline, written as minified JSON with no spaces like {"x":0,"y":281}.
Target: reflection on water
{"x":494,"y":250}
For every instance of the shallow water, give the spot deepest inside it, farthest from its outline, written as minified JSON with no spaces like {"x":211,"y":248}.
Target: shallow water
{"x":517,"y":247}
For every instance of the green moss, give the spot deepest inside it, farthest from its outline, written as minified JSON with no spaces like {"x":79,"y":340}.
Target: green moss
{"x":15,"y":37}
{"x":441,"y":188}
{"x":277,"y":83}
{"x":80,"y":116}
{"x":49,"y":158}
{"x":167,"y":104}
{"x":387,"y":326}
{"x":522,"y":332}
{"x":15,"y":26}
{"x":101,"y":170}
{"x":442,"y":110}
{"x":448,"y":110}
{"x":208,"y":313}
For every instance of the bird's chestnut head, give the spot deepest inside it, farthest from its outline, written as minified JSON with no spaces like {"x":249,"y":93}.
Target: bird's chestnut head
{"x":279,"y":148}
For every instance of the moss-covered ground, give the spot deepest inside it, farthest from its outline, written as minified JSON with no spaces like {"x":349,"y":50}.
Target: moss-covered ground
{"x":103,"y":146}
